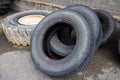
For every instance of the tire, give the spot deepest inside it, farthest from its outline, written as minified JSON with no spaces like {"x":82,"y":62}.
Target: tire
{"x":17,"y":33}
{"x":92,"y":20}
{"x":64,"y":35}
{"x":79,"y":57}
{"x":62,"y":49}
{"x":119,"y":46}
{"x":4,"y":6}
{"x":108,"y":25}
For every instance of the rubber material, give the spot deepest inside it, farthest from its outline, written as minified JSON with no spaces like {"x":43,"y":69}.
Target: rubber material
{"x":64,"y":35}
{"x":77,"y":59}
{"x":91,"y":18}
{"x":108,"y":25}
{"x":17,"y":33}
{"x":119,"y":46}
{"x":60,"y":48}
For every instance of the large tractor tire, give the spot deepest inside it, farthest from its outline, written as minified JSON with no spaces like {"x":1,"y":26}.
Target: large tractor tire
{"x":19,"y":27}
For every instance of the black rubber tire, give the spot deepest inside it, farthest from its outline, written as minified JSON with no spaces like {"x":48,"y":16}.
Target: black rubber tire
{"x":119,"y":46}
{"x":64,"y":35}
{"x":17,"y":33}
{"x":62,"y":49}
{"x":4,"y":6}
{"x":79,"y":57}
{"x":108,"y":25}
{"x":92,"y":20}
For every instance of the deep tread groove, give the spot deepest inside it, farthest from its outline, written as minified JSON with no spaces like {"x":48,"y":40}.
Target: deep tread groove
{"x":19,"y":34}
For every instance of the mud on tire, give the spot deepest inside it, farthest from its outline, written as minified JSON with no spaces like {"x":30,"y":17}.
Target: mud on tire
{"x":17,"y":33}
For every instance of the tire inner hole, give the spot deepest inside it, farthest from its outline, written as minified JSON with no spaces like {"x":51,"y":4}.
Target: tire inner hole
{"x":55,"y":29}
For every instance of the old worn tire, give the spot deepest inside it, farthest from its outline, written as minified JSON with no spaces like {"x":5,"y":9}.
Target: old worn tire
{"x":119,"y":46}
{"x":79,"y":57}
{"x":92,"y":20}
{"x":17,"y":33}
{"x":62,"y":49}
{"x":4,"y":6}
{"x":108,"y":25}
{"x":64,"y":35}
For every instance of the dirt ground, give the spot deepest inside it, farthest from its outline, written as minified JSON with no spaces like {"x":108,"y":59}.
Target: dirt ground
{"x":16,"y":63}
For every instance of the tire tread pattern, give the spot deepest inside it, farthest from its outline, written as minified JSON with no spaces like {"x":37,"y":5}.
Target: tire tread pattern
{"x":17,"y":36}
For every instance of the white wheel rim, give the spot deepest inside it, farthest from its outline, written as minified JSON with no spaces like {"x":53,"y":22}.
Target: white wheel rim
{"x":30,"y":19}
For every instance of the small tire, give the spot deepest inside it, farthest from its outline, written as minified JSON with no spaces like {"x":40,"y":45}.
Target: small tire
{"x":108,"y":25}
{"x":79,"y":57}
{"x":4,"y":6}
{"x":17,"y":33}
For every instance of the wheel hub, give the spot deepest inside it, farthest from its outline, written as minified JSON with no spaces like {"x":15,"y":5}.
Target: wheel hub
{"x":30,"y":19}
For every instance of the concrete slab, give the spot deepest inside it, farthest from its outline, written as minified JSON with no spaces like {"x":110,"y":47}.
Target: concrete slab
{"x":17,"y":65}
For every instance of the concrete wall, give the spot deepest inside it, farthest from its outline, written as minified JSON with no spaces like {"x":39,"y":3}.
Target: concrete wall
{"x":109,"y":5}
{"x":112,"y":6}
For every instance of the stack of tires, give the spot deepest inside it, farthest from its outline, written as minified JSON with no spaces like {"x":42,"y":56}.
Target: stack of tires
{"x":64,"y":41}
